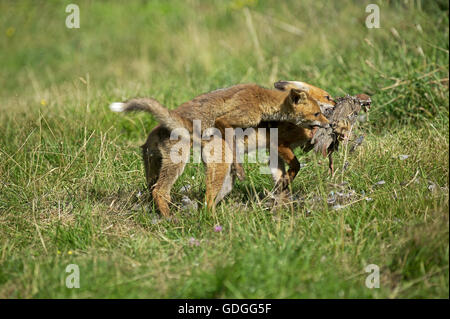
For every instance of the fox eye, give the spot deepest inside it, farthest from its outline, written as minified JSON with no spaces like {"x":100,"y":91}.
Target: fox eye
{"x":328,"y":97}
{"x":317,"y":114}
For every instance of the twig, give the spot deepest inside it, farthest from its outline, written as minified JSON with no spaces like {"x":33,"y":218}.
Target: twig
{"x":354,"y":202}
{"x":409,"y":81}
{"x":436,"y":47}
{"x":38,"y":231}
{"x":413,"y":179}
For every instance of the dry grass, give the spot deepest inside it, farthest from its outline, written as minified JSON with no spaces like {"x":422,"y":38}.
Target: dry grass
{"x":71,"y":180}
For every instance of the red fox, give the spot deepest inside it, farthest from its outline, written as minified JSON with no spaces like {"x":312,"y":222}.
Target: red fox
{"x":291,"y":136}
{"x":243,"y":105}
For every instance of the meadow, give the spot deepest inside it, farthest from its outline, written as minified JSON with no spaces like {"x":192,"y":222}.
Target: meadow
{"x":72,"y":185}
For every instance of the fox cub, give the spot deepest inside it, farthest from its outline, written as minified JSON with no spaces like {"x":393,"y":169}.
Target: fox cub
{"x":291,"y":136}
{"x":242,"y":105}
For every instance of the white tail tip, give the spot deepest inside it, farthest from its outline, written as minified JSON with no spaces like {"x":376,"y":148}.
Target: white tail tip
{"x":117,"y":107}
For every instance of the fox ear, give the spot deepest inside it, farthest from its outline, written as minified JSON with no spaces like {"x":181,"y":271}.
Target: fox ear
{"x":281,"y":85}
{"x":287,"y":85}
{"x":300,"y":85}
{"x":297,"y":96}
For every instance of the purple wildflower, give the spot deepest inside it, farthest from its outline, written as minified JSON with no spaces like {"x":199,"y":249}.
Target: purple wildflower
{"x":218,"y":228}
{"x":194,"y":242}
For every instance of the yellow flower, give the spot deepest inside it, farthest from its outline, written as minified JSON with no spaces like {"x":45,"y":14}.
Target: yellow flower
{"x":69,"y":252}
{"x":10,"y":32}
{"x":43,"y":102}
{"x":59,"y":252}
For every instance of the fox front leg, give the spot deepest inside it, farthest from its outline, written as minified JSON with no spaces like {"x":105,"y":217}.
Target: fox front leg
{"x":237,"y":168}
{"x":286,"y":153}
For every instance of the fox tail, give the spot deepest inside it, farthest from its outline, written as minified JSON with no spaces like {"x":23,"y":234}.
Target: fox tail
{"x":163,"y":115}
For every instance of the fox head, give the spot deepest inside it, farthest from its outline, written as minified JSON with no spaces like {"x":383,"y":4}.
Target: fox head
{"x":322,"y":97}
{"x":304,"y":110}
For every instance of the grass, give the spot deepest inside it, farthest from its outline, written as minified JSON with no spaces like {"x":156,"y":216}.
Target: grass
{"x":71,"y":174}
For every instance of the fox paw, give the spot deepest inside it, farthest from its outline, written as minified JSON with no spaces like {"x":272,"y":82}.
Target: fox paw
{"x":282,"y":184}
{"x":282,"y":199}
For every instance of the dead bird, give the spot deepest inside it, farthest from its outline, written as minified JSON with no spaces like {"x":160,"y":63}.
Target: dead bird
{"x":342,"y":118}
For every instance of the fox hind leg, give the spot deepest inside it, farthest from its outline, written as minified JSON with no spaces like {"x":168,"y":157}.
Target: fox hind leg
{"x":152,"y":165}
{"x":152,"y":154}
{"x":219,"y":182}
{"x":169,"y":173}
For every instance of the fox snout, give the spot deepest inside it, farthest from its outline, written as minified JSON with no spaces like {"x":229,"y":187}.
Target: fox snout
{"x":319,"y":124}
{"x":318,"y":120}
{"x":322,"y":121}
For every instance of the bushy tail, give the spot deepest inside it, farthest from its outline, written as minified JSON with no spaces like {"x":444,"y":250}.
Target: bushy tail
{"x":162,"y":114}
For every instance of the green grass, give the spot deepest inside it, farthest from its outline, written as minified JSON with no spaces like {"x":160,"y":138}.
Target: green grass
{"x":71,"y":173}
